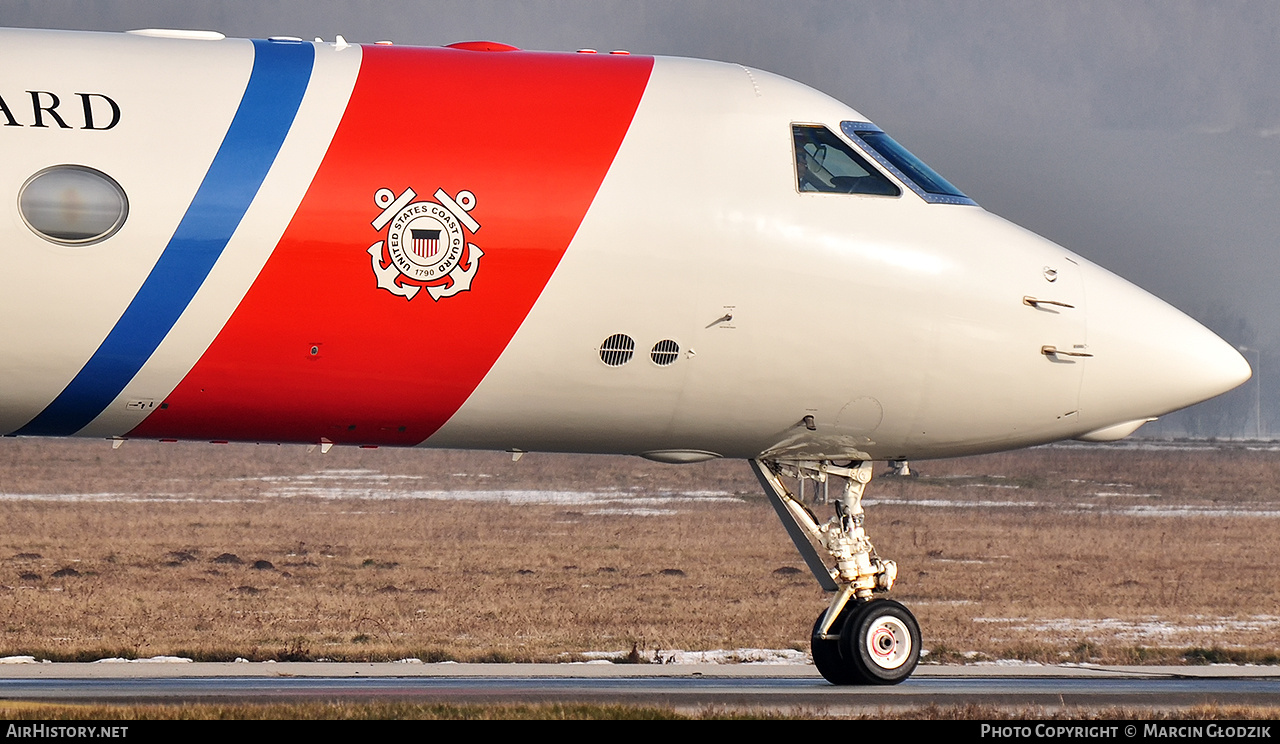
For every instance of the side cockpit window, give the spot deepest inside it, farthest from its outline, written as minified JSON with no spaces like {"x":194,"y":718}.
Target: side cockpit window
{"x":825,"y":163}
{"x":899,"y":161}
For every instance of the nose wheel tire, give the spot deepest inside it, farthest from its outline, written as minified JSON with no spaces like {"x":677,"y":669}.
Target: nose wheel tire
{"x":881,"y":640}
{"x":879,"y":644}
{"x":826,"y":652}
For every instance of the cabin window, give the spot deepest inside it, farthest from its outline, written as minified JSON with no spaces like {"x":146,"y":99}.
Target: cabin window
{"x":825,"y":163}
{"x":73,"y":205}
{"x":912,"y":171}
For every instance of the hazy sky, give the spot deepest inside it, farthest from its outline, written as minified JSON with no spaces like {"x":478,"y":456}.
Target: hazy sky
{"x":1142,"y":135}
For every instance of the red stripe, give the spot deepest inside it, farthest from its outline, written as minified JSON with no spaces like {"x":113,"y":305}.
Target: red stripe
{"x":530,"y":134}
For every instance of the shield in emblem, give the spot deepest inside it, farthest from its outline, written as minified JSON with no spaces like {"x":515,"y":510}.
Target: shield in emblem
{"x":426,"y":243}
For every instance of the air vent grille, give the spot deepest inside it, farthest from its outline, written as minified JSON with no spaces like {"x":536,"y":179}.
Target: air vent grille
{"x":617,"y":350}
{"x":665,"y":352}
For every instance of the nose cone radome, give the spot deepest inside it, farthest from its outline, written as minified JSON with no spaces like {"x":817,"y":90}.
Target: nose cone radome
{"x":1148,"y":357}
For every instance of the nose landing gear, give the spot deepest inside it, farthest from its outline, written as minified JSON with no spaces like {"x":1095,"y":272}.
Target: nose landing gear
{"x":858,"y":639}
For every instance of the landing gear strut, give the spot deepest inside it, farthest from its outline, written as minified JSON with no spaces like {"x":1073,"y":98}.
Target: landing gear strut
{"x":859,"y":639}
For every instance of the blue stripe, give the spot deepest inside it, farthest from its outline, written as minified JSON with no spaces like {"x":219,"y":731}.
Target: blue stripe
{"x":279,"y":79}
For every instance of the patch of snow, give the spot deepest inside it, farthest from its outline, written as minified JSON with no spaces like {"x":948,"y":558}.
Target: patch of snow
{"x":954,"y":503}
{"x":734,"y":656}
{"x":722,"y":656}
{"x":633,"y":512}
{"x":1148,"y":629}
{"x":152,"y":660}
{"x":1132,"y":510}
{"x":1105,"y":494}
{"x":509,"y":496}
{"x":1140,"y":510}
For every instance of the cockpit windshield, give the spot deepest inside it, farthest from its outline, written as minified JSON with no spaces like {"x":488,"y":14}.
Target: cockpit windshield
{"x":911,"y":170}
{"x":825,"y":163}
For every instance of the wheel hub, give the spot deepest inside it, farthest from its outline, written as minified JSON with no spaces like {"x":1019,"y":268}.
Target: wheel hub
{"x":889,"y":643}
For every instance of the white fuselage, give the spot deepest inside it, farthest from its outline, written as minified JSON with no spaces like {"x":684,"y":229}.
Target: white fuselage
{"x":904,"y":329}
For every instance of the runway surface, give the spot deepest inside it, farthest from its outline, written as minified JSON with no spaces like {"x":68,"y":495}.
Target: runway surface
{"x":779,"y":687}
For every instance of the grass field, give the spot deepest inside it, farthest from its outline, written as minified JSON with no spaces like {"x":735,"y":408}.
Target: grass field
{"x":222,"y":551}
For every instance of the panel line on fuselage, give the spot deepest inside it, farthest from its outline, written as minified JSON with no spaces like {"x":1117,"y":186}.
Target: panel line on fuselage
{"x":277,"y":82}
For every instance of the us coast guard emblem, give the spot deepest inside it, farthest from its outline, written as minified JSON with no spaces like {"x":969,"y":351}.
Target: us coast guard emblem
{"x":426,"y":245}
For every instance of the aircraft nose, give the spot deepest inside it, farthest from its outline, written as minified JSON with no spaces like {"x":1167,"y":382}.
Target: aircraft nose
{"x":1149,"y":358}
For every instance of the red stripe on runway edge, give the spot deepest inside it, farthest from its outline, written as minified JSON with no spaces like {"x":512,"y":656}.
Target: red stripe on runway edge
{"x":325,"y":344}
